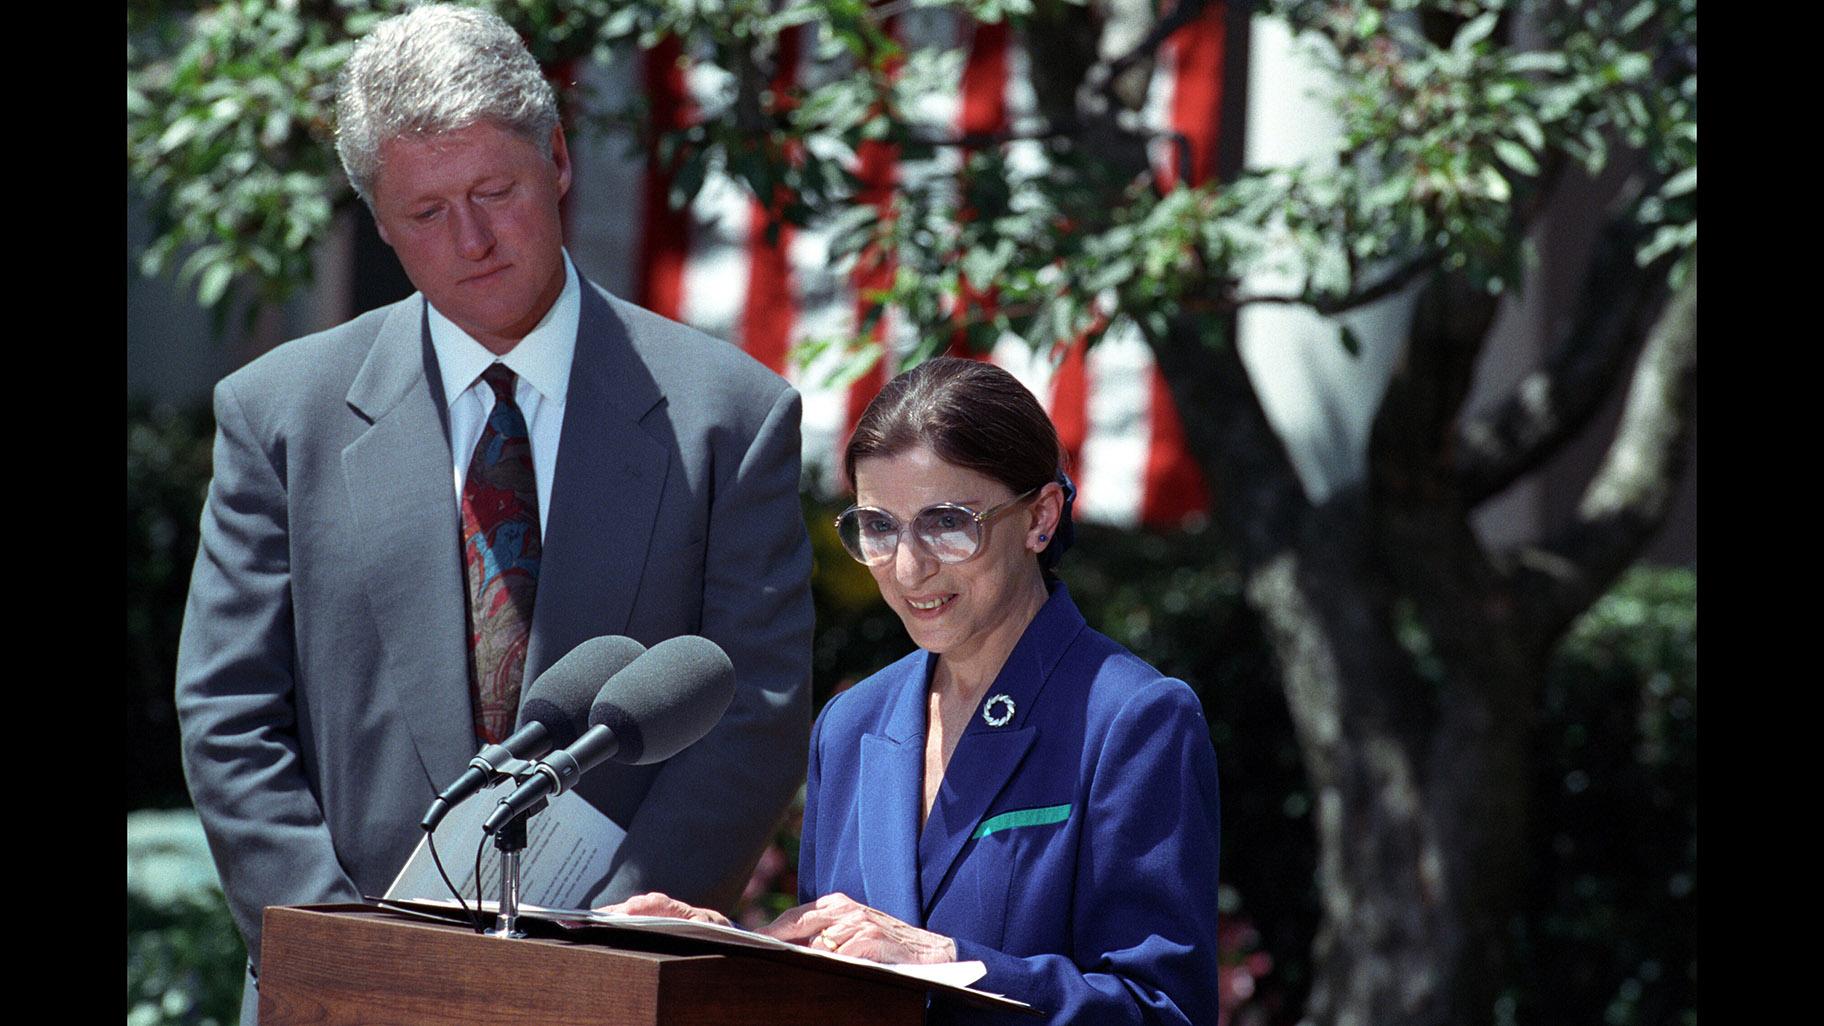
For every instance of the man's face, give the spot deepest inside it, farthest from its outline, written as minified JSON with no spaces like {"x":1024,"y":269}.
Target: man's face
{"x":473,"y":217}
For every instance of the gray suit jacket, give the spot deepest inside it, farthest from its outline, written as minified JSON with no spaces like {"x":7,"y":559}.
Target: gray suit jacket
{"x":322,"y":682}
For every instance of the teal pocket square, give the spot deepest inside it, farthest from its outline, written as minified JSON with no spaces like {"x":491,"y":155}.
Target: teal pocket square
{"x":1023,"y":818}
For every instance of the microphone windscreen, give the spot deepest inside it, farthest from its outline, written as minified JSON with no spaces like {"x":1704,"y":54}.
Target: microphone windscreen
{"x":561,"y":696}
{"x":666,"y":700}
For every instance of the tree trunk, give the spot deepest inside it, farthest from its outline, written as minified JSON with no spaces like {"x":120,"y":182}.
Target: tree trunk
{"x":1419,"y":791}
{"x":1419,"y":783}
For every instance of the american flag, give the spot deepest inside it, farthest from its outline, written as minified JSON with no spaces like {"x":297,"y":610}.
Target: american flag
{"x":711,"y":264}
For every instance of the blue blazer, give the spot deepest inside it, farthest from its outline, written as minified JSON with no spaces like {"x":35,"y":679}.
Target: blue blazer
{"x":1072,"y":848}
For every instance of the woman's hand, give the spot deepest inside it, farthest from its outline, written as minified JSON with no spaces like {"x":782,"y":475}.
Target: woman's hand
{"x":656,"y":904}
{"x":839,"y":923}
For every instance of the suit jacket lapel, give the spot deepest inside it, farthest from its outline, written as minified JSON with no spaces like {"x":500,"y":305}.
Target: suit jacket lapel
{"x":988,"y":757}
{"x":398,"y":477}
{"x":978,"y":772}
{"x":892,"y":775}
{"x":605,"y":492}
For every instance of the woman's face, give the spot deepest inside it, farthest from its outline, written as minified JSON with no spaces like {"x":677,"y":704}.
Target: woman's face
{"x":958,"y":609}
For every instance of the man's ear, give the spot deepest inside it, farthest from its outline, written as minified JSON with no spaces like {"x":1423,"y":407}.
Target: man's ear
{"x":560,"y":155}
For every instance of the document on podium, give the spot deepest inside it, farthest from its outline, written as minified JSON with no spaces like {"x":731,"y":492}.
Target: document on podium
{"x":949,"y":974}
{"x":949,"y":977}
{"x":569,"y":847}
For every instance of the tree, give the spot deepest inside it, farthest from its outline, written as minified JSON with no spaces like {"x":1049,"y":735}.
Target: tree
{"x":1412,"y":653}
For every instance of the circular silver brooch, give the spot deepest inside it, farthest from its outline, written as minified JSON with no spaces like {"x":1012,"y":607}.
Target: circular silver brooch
{"x":990,"y":718}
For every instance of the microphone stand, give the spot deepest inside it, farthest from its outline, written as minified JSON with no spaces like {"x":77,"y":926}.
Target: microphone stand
{"x":510,"y":840}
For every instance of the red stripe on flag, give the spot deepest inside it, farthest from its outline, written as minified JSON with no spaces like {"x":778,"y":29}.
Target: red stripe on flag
{"x":985,"y":81}
{"x":768,"y":314}
{"x":1197,"y":87}
{"x":874,"y":269}
{"x":984,"y":112}
{"x":664,"y":232}
{"x":1069,"y":407}
{"x":1174,"y":485}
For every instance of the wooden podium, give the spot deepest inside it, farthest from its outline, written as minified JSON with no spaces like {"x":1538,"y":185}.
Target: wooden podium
{"x":336,"y":964}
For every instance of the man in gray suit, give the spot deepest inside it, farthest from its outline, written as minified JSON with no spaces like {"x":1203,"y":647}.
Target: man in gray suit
{"x":338,"y":661}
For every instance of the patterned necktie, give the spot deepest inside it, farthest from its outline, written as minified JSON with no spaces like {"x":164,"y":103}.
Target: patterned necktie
{"x":500,"y":550}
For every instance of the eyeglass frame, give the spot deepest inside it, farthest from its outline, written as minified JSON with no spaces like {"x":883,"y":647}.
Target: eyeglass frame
{"x":981,"y":522}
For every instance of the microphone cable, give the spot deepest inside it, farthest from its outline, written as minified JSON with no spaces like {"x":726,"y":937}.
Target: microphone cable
{"x":475,"y":915}
{"x":479,"y":848}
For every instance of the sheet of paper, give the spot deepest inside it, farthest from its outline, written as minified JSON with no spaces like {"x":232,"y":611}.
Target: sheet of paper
{"x":951,"y":974}
{"x":955,"y":974}
{"x":569,"y":847}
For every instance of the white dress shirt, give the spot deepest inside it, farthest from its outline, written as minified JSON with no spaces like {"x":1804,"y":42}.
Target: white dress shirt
{"x":541,"y":361}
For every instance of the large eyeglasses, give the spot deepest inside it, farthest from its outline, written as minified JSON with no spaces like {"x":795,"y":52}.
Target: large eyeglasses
{"x":949,"y":532}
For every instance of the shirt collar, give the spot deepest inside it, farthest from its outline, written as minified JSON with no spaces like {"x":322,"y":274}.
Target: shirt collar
{"x":542,"y":359}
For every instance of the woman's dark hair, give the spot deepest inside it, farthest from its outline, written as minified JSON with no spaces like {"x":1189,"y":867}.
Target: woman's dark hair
{"x":972,"y":415}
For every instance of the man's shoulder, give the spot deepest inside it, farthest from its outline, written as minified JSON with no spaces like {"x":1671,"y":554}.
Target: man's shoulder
{"x":322,"y":362}
{"x":683,"y":359}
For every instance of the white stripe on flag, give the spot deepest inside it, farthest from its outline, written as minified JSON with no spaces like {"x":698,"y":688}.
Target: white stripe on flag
{"x":716,"y":274}
{"x":1112,"y":479}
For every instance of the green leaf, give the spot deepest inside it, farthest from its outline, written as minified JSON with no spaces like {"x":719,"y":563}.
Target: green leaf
{"x":1495,"y":185}
{"x":807,"y":350}
{"x":1630,"y":67}
{"x":214,"y":284}
{"x":1550,"y":62}
{"x":1477,"y":29}
{"x":180,"y":132}
{"x":1667,"y":239}
{"x":1638,"y":16}
{"x":857,"y":364}
{"x":1529,"y":132}
{"x":1516,"y":156}
{"x":1113,"y":274}
{"x":1680,"y":184}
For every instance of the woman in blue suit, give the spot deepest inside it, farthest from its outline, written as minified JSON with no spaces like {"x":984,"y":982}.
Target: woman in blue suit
{"x":1021,"y":789}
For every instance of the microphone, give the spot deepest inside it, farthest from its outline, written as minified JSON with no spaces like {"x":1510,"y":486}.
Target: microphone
{"x":552,"y":715}
{"x":662,"y":703}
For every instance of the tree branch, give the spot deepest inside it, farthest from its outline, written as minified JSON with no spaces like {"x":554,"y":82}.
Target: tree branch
{"x":1551,"y":406}
{"x":986,"y":140}
{"x":1412,"y":443}
{"x":1519,"y":223}
{"x":1632,"y":492}
{"x":1409,"y":447}
{"x":1393,"y":282}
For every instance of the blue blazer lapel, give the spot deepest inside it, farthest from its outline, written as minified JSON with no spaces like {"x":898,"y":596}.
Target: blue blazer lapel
{"x":984,"y":763}
{"x":605,"y":492}
{"x":404,"y":509}
{"x":892,"y":775}
{"x":987,"y":758}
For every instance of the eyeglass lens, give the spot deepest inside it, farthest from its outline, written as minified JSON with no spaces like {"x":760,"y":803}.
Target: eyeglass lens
{"x":949,"y":533}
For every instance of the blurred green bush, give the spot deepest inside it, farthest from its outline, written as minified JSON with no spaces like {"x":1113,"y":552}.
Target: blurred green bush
{"x":168,"y":454}
{"x":184,"y":957}
{"x":1609,"y":930}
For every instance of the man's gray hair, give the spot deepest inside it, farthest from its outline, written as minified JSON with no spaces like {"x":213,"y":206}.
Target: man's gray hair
{"x":439,"y":68}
